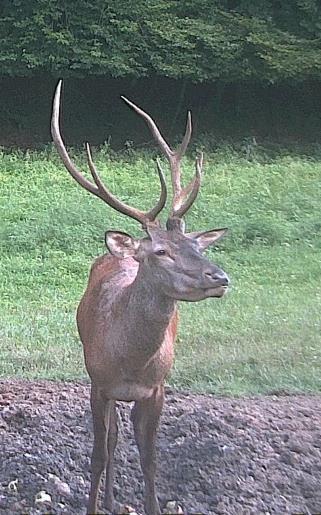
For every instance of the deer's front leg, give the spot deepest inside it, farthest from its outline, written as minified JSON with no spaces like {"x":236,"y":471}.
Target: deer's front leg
{"x":109,"y":502}
{"x":100,"y":408}
{"x":145,"y":416}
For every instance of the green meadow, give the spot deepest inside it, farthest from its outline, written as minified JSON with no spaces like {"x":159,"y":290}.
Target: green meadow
{"x":263,"y":337}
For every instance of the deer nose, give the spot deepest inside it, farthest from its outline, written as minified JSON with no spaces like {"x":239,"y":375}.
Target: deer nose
{"x":216,"y":276}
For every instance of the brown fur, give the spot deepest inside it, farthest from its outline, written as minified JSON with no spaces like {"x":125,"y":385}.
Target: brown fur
{"x":109,"y":277}
{"x":121,"y":370}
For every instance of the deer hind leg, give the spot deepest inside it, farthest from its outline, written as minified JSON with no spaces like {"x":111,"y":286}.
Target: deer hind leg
{"x":101,"y":408}
{"x":145,"y":416}
{"x":111,"y":445}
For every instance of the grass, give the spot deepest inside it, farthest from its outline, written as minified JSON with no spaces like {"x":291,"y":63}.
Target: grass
{"x":264,"y":336}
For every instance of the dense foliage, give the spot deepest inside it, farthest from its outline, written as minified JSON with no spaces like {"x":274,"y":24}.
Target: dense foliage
{"x":265,"y":40}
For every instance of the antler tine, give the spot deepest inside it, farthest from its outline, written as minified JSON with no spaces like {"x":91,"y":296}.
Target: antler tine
{"x":187,"y":136}
{"x":162,"y":200}
{"x":179,"y":209}
{"x":99,"y":189}
{"x":60,"y":146}
{"x":165,"y":148}
{"x":176,"y":161}
{"x":113,"y":202}
{"x":190,"y":192}
{"x":183,"y":198}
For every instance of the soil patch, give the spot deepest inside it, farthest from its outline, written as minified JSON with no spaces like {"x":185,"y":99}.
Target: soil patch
{"x":215,"y":455}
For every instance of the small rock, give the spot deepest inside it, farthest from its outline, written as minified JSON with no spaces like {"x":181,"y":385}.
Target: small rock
{"x":80,"y":480}
{"x":128,"y":509}
{"x":13,"y":486}
{"x":173,"y":508}
{"x":43,"y":498}
{"x":61,"y":487}
{"x":63,"y":508}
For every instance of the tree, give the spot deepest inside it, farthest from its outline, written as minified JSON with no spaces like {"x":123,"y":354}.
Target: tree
{"x":229,"y":40}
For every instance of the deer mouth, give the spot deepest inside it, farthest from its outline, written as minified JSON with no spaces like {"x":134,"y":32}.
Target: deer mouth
{"x":203,"y":293}
{"x":217,"y":291}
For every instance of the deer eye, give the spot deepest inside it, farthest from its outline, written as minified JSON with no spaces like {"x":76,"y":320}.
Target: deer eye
{"x":160,"y":252}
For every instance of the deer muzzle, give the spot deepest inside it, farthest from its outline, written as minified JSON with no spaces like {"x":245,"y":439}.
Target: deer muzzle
{"x":213,"y":278}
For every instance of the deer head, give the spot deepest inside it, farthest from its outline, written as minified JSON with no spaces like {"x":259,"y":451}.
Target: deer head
{"x":171,"y":259}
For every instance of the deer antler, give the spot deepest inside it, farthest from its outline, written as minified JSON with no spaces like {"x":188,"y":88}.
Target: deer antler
{"x":98,"y":188}
{"x":183,"y":198}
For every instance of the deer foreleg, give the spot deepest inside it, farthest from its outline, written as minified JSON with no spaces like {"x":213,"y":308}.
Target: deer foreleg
{"x":101,"y":408}
{"x":111,"y":445}
{"x":145,"y":417}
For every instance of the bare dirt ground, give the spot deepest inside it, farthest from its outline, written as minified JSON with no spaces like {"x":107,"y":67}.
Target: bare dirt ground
{"x":216,"y":455}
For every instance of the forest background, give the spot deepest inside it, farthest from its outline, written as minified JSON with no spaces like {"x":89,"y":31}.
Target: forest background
{"x":245,"y":68}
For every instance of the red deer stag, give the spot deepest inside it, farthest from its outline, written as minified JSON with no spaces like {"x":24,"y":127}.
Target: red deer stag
{"x":127,"y":318}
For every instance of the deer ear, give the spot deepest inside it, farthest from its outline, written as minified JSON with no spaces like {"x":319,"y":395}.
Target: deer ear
{"x":207,"y":238}
{"x":121,"y":244}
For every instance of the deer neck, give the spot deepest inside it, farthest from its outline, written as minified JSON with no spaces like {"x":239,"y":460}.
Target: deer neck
{"x":148,"y":313}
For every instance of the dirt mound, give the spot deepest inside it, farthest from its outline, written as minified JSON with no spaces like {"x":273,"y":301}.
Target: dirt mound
{"x":216,"y":455}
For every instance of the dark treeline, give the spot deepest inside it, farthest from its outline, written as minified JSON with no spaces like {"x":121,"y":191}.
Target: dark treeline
{"x":93,"y":110}
{"x":244,"y":68}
